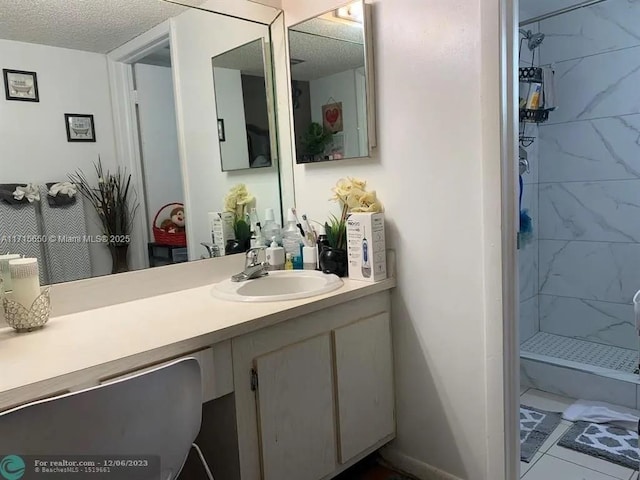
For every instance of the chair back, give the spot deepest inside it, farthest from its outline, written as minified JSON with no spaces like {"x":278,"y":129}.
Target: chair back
{"x":155,"y":413}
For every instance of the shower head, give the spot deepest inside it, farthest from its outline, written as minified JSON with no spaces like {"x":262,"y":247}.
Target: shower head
{"x":534,"y":40}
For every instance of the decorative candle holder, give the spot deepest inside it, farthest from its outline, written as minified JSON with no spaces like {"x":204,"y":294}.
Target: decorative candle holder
{"x":23,"y":320}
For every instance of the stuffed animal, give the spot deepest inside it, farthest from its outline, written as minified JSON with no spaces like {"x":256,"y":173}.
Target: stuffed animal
{"x":177,"y":217}
{"x":175,"y":224}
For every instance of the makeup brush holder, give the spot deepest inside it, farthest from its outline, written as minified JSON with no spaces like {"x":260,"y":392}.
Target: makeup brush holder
{"x":25,"y":320}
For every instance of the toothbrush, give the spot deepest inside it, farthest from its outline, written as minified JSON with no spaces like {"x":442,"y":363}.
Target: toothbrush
{"x":298,"y":224}
{"x":311,"y":233}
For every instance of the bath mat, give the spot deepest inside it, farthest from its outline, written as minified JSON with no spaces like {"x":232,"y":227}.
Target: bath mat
{"x":614,"y":444}
{"x":535,"y":427}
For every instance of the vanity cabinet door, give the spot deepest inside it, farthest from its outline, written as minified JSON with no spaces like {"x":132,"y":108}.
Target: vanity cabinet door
{"x":296,"y":411}
{"x":364,"y":384}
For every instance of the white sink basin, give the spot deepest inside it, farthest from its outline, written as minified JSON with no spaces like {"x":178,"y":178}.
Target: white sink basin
{"x":278,"y":286}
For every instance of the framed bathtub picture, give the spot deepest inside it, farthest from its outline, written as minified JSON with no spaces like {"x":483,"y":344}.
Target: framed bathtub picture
{"x":80,"y":127}
{"x":20,"y":85}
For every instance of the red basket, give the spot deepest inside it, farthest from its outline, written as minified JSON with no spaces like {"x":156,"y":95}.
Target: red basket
{"x":163,"y":237}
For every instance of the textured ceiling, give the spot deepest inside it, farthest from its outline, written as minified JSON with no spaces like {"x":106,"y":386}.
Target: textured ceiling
{"x":327,"y":26}
{"x":91,"y":25}
{"x":247,"y":58}
{"x":322,"y":56}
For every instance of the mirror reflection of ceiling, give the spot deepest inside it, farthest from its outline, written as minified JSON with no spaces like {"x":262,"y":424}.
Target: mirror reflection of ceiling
{"x":98,"y":25}
{"x":324,"y":46}
{"x":247,"y":58}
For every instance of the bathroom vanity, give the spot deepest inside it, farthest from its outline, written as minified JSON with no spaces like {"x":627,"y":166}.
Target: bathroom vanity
{"x":312,"y":379}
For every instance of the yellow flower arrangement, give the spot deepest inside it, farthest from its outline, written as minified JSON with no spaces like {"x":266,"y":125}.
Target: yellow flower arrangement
{"x":238,"y":201}
{"x":352,"y":195}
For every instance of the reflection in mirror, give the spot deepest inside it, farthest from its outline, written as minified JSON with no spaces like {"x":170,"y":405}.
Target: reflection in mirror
{"x":83,"y":125}
{"x":242,"y":107}
{"x":329,"y":86}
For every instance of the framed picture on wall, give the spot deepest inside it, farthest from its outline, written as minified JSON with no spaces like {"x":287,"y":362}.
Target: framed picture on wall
{"x":21,"y":85}
{"x":221,"y":135}
{"x":80,"y":127}
{"x":332,"y":117}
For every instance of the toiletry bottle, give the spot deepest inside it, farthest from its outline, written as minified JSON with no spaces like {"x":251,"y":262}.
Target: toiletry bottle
{"x":275,"y":255}
{"x":292,"y":240}
{"x":288,"y":264}
{"x":270,"y":228}
{"x":253,"y":219}
{"x":366,"y":264}
{"x":309,"y":258}
{"x":259,"y":237}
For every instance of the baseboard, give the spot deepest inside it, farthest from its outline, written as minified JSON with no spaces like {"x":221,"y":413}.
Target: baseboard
{"x":413,"y":466}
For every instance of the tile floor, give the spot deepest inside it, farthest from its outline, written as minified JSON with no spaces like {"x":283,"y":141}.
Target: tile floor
{"x":557,"y":463}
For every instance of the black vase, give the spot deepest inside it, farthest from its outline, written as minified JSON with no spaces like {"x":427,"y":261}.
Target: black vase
{"x":236,"y":246}
{"x":333,"y":260}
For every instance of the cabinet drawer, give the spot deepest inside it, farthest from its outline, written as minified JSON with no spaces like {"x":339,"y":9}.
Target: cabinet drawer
{"x":215,"y":367}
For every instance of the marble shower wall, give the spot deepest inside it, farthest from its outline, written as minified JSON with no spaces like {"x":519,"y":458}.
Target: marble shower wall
{"x":589,"y":175}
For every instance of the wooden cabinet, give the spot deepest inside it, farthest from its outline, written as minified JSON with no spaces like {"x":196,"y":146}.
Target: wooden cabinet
{"x":295,"y":402}
{"x":315,"y":394}
{"x":364,"y":384}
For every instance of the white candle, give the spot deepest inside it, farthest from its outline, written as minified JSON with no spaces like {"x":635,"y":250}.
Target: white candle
{"x":4,"y":269}
{"x":25,"y":279}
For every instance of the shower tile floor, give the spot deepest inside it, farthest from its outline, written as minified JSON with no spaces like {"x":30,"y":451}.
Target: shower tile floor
{"x":553,"y":462}
{"x":581,"y":351}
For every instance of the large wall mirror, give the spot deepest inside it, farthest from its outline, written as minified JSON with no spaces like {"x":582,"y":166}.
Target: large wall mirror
{"x":107,"y":97}
{"x":332,"y":88}
{"x":244,"y":105}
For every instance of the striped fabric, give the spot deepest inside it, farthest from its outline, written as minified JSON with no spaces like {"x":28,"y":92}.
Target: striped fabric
{"x":68,"y":256}
{"x":19,"y":233}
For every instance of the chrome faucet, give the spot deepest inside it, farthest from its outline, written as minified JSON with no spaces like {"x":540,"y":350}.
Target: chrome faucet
{"x":212,"y":249}
{"x":252,"y":268}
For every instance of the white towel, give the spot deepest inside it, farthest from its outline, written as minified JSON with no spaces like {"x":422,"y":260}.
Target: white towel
{"x":601,"y":412}
{"x":549,"y":88}
{"x":63,"y":188}
{"x":29,"y":191}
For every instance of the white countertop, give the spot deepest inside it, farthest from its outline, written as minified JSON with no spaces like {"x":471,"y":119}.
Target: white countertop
{"x":101,"y":341}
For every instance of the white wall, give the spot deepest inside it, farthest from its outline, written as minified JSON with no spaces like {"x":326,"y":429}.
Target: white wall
{"x":340,"y":87}
{"x":33,"y":139}
{"x":205,"y":183}
{"x":230,"y":108}
{"x":437,"y":170}
{"x":159,"y":139}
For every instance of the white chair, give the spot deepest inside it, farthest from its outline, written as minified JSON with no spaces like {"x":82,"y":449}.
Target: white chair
{"x":157,"y":412}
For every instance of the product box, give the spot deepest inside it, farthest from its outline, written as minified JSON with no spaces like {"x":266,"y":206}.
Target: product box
{"x":221,"y":224}
{"x":366,"y":247}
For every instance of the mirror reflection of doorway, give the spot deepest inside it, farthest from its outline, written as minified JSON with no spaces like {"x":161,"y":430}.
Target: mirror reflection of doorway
{"x":158,"y":140}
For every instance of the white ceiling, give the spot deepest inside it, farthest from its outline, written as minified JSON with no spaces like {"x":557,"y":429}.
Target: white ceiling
{"x":91,"y":25}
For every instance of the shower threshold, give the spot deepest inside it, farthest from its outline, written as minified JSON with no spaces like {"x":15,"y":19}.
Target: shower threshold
{"x":580,"y":369}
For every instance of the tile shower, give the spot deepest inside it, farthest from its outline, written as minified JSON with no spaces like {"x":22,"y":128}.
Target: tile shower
{"x":580,"y":271}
